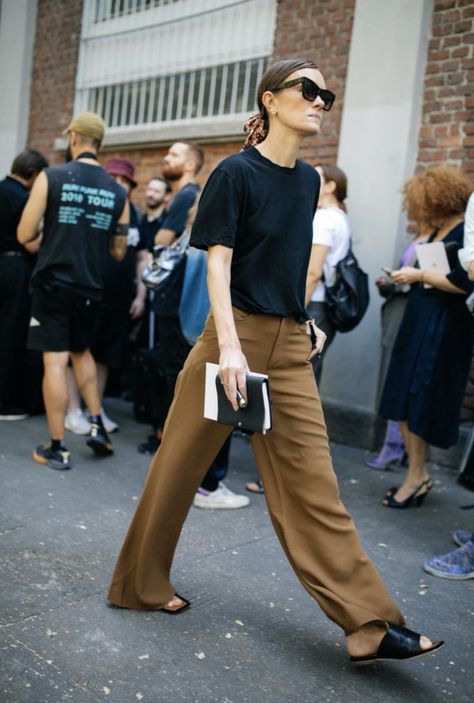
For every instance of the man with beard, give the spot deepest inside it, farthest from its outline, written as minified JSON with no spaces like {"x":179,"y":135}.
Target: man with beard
{"x":86,"y":216}
{"x":182,"y":163}
{"x":156,"y":196}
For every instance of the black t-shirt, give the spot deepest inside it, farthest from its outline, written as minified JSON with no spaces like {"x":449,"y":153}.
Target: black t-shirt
{"x":264,"y":212}
{"x":13,"y":197}
{"x":119,"y":277}
{"x":167,"y":301}
{"x":148,"y":229}
{"x":84,"y":205}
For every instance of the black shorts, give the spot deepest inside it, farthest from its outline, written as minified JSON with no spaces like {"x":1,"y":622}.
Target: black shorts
{"x":110,"y":343}
{"x":61,"y":320}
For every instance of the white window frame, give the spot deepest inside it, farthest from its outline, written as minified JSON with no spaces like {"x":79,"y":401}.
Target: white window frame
{"x":147,"y":108}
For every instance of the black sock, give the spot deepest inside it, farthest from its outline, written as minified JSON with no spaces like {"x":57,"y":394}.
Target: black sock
{"x":57,"y":445}
{"x":96,"y":420}
{"x":210,"y":484}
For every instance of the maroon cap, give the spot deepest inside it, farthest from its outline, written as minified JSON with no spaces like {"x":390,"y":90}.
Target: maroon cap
{"x":119,"y":166}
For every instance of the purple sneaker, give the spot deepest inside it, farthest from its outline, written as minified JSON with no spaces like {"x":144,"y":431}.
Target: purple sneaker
{"x":460,"y":537}
{"x":457,"y":565}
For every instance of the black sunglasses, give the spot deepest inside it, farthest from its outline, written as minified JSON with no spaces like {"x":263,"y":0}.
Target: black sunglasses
{"x":310,"y":91}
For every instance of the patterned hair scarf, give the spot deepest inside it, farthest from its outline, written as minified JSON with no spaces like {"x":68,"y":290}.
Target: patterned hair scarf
{"x":255,"y":129}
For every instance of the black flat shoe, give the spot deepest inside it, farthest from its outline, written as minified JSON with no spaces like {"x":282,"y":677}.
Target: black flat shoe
{"x":399,"y":643}
{"x":255,"y":487}
{"x":179,"y":608}
{"x":415,"y":499}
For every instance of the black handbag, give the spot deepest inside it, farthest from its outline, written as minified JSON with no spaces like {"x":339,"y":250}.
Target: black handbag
{"x":165,"y":260}
{"x":255,"y":416}
{"x":348,"y":298}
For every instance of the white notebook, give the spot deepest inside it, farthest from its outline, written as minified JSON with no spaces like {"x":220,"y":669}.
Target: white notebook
{"x":432,"y":257}
{"x":211,"y":407}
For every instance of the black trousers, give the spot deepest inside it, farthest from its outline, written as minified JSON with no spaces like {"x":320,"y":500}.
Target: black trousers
{"x":174,"y":352}
{"x":15,"y":301}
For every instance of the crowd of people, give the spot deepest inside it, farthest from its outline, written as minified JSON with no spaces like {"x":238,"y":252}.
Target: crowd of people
{"x":73,"y":249}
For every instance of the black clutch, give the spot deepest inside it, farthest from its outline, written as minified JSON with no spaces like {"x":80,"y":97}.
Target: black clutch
{"x":254,"y":417}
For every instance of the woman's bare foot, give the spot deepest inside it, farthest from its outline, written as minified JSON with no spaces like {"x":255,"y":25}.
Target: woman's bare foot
{"x":408,"y":488}
{"x":366,"y":640}
{"x":176,"y":603}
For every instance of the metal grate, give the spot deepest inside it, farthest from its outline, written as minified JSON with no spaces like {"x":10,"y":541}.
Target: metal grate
{"x":154,"y":62}
{"x":112,"y":9}
{"x":217,"y":90}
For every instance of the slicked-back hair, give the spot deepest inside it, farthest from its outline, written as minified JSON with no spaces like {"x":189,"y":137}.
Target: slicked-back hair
{"x":276,"y":74}
{"x":337,"y":176}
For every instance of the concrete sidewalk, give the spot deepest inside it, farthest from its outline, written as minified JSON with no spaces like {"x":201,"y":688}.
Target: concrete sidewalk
{"x":253,"y":635}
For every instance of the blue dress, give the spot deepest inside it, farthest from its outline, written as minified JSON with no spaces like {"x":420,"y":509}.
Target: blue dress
{"x":431,"y":357}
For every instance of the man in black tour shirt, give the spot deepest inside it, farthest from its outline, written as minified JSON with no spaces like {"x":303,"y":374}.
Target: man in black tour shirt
{"x":157,"y":195}
{"x":86,"y":215}
{"x":16,"y":265}
{"x":182,"y":163}
{"x":124,"y":292}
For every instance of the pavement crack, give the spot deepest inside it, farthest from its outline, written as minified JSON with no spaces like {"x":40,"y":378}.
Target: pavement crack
{"x":11,"y":529}
{"x":232,"y":548}
{"x":83,"y":688}
{"x":35,"y":616}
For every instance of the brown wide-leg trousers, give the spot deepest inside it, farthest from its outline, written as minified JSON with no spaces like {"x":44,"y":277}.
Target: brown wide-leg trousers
{"x":314,"y":528}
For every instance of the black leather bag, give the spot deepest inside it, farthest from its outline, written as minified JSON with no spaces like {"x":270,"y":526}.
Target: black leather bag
{"x":348,"y":298}
{"x":256,"y":416}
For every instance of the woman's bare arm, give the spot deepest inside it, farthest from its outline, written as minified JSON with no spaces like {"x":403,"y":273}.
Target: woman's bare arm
{"x":232,"y":362}
{"x":410,"y":274}
{"x":318,"y":256}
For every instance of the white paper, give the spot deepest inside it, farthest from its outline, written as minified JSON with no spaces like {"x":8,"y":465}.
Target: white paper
{"x":210,"y":392}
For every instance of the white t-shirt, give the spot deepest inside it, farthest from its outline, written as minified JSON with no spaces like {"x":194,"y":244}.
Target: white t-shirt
{"x":331,"y":229}
{"x":466,"y":255}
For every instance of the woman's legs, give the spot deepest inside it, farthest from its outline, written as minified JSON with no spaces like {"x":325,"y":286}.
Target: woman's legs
{"x":302,"y":494}
{"x":142,"y":575}
{"x":314,"y":528}
{"x":417,"y":450}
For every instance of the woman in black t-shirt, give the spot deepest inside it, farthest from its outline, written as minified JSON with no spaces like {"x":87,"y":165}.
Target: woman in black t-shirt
{"x":255,"y":218}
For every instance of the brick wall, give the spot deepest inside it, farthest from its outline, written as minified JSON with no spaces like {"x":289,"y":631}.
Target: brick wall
{"x":447,"y":121}
{"x":320,"y":31}
{"x":148,"y":163}
{"x":58,"y":28}
{"x":447,"y":124}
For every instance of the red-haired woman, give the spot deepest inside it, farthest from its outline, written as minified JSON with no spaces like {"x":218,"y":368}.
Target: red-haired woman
{"x":432,"y":353}
{"x":255,"y":218}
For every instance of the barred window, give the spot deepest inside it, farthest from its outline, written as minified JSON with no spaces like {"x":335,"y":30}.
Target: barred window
{"x":111,"y":9}
{"x":146,"y":63}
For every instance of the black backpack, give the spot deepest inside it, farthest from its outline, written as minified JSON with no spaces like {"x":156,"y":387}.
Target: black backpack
{"x":348,"y":297}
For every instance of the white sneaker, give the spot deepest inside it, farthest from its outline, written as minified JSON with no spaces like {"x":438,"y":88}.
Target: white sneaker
{"x":110,"y":425}
{"x":76,"y":422}
{"x":222,"y":499}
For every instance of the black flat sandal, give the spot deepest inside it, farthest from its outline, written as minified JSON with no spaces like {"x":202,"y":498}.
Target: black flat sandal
{"x":398,"y":643}
{"x":179,"y":608}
